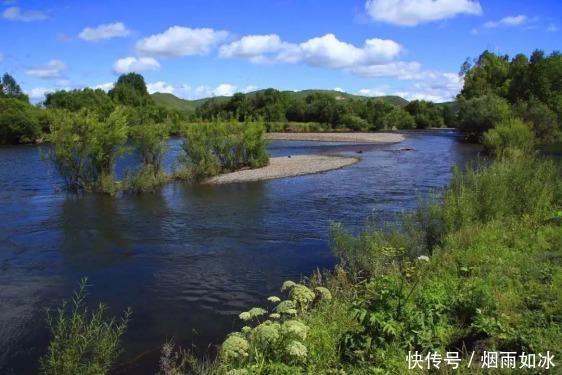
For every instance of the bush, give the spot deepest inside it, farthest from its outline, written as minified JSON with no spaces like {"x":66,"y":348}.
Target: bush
{"x":18,"y":121}
{"x":480,"y":114}
{"x":82,"y":342}
{"x":85,"y":148}
{"x":509,"y":134}
{"x":353,"y":122}
{"x":213,"y":148}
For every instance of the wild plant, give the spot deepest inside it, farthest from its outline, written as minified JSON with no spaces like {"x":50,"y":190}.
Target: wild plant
{"x":83,"y":342}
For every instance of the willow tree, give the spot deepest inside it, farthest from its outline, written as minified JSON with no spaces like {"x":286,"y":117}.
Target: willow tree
{"x":85,"y":148}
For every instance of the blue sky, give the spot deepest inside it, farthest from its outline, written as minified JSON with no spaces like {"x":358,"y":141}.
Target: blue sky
{"x":199,"y":48}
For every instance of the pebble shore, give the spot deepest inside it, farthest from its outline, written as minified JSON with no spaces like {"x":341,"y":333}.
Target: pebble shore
{"x":281,"y":167}
{"x":338,"y":137}
{"x":299,"y":165}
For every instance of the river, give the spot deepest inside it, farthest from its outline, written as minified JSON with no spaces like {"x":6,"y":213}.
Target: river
{"x":189,"y":258}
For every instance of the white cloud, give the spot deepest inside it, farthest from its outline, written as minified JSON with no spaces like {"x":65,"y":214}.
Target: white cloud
{"x":329,"y":52}
{"x":180,"y":41}
{"x":414,"y":12}
{"x":37,"y":94}
{"x":252,"y":46}
{"x":249,"y":88}
{"x":17,"y":14}
{"x":104,"y":86}
{"x":396,"y":69}
{"x":135,"y":64}
{"x":507,"y":21}
{"x":325,"y":51}
{"x":338,"y":89}
{"x":105,"y":31}
{"x":160,"y":86}
{"x":552,"y":28}
{"x":431,"y":85}
{"x":53,"y":69}
{"x":224,"y":89}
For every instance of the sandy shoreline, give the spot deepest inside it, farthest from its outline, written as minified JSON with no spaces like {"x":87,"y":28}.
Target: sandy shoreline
{"x":338,"y":137}
{"x":284,"y":166}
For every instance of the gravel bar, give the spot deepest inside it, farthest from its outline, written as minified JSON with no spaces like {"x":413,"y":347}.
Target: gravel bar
{"x":284,"y":166}
{"x":338,"y":137}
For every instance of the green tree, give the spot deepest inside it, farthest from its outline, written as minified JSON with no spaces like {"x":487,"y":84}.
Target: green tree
{"x":93,"y":100}
{"x":130,"y":90}
{"x":479,"y":114}
{"x":426,"y":114}
{"x":488,"y":76}
{"x":509,"y":135}
{"x":85,"y":148}
{"x":398,"y":118}
{"x":9,"y":88}
{"x":18,"y":121}
{"x":212,"y":148}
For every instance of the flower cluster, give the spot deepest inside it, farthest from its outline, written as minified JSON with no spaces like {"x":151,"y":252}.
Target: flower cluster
{"x":235,"y":349}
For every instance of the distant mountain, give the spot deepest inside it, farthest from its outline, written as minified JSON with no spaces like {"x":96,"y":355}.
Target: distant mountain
{"x":172,"y":101}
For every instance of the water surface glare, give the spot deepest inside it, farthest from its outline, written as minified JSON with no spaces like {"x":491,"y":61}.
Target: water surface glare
{"x":189,"y":258}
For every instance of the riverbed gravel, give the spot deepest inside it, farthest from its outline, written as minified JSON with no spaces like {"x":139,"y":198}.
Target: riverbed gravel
{"x":286,"y":166}
{"x":339,"y":137}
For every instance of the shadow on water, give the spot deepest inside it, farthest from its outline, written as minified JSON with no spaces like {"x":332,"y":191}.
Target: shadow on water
{"x":189,"y":257}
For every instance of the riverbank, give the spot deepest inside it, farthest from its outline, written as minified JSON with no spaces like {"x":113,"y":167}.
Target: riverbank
{"x":291,"y":166}
{"x":338,"y":137}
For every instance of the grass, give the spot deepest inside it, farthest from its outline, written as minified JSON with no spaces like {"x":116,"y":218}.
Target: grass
{"x":479,"y":268}
{"x":83,"y":342}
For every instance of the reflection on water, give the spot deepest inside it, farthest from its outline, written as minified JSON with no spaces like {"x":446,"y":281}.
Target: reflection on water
{"x":189,"y":257}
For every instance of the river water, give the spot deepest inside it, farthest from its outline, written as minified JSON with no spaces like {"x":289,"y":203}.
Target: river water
{"x":189,"y":258}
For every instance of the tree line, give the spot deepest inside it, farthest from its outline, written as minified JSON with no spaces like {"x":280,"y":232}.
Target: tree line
{"x":516,"y":100}
{"x":334,"y":112}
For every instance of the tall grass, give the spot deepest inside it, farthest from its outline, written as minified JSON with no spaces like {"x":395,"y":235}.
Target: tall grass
{"x":83,"y":342}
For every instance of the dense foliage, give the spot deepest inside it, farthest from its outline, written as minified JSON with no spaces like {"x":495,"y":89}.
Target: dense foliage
{"x":19,"y":121}
{"x":331,"y":110}
{"x":496,"y":88}
{"x":477,"y":268}
{"x":217,"y":147}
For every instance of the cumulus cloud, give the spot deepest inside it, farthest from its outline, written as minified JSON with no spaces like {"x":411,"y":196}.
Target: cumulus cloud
{"x":224,"y":89}
{"x":325,"y":51}
{"x":507,"y":21}
{"x":105,"y":31}
{"x":160,"y":86}
{"x":135,"y":64}
{"x":104,"y":86}
{"x":430,"y":85}
{"x":338,"y":89}
{"x":185,"y":91}
{"x":249,"y":88}
{"x":396,"y":69}
{"x":17,"y":14}
{"x":53,"y":69}
{"x":37,"y":94}
{"x":253,"y":47}
{"x":181,"y":41}
{"x":414,"y":12}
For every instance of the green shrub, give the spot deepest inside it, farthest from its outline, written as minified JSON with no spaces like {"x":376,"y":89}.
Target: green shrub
{"x":353,"y":122}
{"x":82,"y":342}
{"x":509,"y":135}
{"x":213,"y":148}
{"x":85,"y":148}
